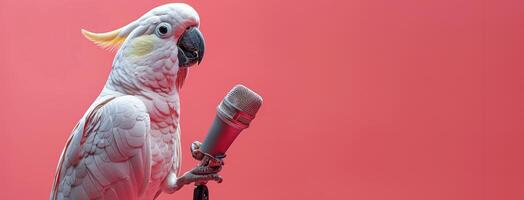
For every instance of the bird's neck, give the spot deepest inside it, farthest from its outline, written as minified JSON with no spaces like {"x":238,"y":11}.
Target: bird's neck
{"x":132,"y":75}
{"x":158,"y":86}
{"x":134,"y":84}
{"x":161,"y":108}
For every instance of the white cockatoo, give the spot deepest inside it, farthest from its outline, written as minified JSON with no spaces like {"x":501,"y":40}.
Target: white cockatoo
{"x":127,"y":144}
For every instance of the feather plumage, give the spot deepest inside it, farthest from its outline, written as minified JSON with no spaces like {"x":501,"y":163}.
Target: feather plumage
{"x":128,"y":141}
{"x":109,"y":40}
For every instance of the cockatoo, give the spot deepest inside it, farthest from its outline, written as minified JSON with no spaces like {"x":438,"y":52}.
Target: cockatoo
{"x":127,"y":144}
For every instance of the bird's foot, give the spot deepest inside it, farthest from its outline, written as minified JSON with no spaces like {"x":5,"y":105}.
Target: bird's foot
{"x":206,"y":171}
{"x":206,"y":159}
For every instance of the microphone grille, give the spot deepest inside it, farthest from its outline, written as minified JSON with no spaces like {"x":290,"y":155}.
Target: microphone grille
{"x":242,"y":99}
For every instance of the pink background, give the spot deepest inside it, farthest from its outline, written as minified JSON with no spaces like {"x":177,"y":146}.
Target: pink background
{"x":368,"y":99}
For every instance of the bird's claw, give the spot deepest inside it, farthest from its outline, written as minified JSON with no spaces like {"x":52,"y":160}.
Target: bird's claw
{"x":206,"y":159}
{"x":207,"y":169}
{"x":195,"y":150}
{"x":191,"y":177}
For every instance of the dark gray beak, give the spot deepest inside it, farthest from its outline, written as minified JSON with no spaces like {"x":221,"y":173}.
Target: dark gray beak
{"x":191,"y":47}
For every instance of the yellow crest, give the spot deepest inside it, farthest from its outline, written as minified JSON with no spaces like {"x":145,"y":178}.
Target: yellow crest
{"x":110,"y":40}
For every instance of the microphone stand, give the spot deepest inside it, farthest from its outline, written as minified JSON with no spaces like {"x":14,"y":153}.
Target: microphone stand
{"x":200,"y":192}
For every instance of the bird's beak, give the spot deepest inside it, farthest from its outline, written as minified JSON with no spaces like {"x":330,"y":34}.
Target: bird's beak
{"x":191,"y":47}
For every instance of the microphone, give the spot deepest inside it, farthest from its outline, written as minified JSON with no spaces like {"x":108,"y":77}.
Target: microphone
{"x":234,"y":114}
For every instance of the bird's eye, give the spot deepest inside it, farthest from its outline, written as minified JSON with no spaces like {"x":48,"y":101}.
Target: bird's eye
{"x":163,"y":30}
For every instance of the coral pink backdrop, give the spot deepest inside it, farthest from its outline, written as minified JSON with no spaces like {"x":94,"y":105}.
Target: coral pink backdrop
{"x":364,"y":99}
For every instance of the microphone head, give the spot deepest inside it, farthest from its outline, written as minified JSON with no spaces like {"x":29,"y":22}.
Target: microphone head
{"x":240,"y":106}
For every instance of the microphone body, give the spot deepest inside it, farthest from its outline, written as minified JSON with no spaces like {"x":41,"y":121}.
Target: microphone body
{"x":234,"y":114}
{"x":219,"y":138}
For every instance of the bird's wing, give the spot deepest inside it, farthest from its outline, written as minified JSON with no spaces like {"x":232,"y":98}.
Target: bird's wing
{"x":107,"y":154}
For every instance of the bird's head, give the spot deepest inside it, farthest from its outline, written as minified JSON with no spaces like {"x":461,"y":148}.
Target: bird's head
{"x":154,"y":51}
